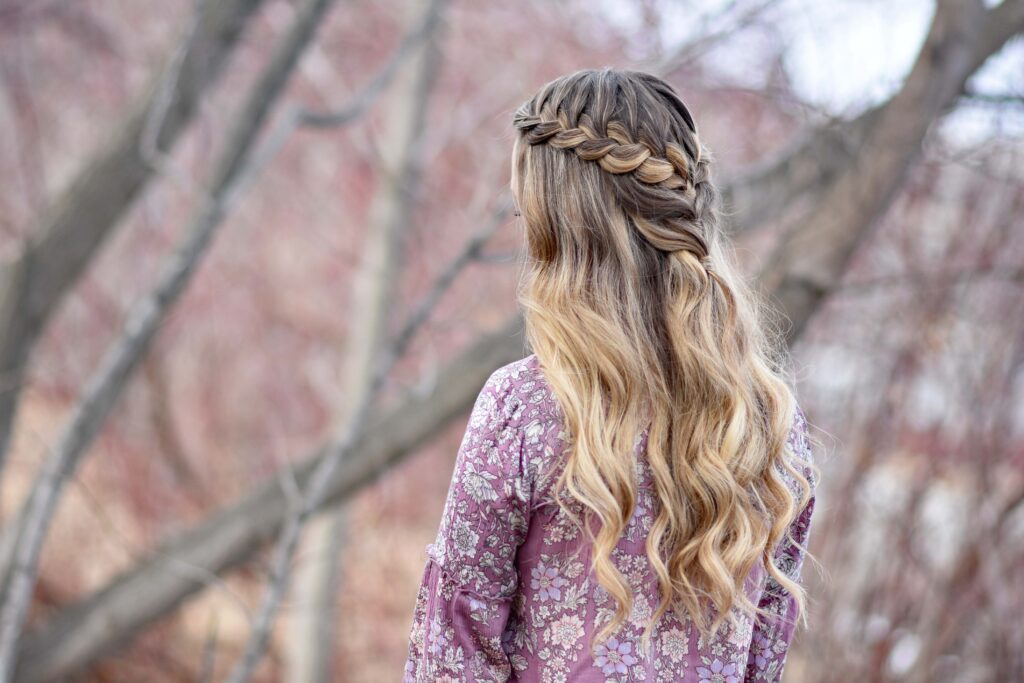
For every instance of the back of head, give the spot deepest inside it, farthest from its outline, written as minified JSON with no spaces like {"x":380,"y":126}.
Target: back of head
{"x":640,"y":319}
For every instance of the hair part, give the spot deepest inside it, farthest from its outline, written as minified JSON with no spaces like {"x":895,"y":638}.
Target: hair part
{"x":640,"y":319}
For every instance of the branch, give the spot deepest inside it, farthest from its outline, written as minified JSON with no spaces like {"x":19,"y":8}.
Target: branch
{"x":765,"y":191}
{"x":298,"y":116}
{"x":226,"y":540}
{"x":391,"y":210}
{"x":810,"y":261}
{"x":706,"y":36}
{"x":143,"y":321}
{"x":67,"y":236}
{"x":810,"y":165}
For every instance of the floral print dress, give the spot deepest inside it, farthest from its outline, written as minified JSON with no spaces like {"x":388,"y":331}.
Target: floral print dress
{"x":507,"y":594}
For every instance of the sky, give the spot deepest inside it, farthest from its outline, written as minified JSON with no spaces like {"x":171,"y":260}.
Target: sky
{"x":845,"y":55}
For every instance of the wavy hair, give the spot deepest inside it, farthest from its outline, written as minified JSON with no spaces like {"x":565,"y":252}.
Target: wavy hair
{"x":640,"y":319}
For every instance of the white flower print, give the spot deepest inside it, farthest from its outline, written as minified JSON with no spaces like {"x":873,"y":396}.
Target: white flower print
{"x":742,"y":631}
{"x":566,"y":632}
{"x":554,"y":672}
{"x":675,"y":643}
{"x":641,"y":612}
{"x":465,"y":538}
{"x":478,"y":485}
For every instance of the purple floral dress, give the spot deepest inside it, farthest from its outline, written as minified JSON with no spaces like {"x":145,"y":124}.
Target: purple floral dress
{"x":507,"y":593}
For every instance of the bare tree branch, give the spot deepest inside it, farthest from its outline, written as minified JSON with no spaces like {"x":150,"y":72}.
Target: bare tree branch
{"x":143,"y":321}
{"x":707,"y":35}
{"x":362,"y":102}
{"x":810,"y":261}
{"x":33,"y":281}
{"x":298,"y":116}
{"x":371,"y":301}
{"x":225,"y":540}
{"x":764,"y":192}
{"x":806,"y":168}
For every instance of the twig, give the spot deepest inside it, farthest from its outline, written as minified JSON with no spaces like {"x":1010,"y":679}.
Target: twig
{"x":299,"y":116}
{"x":361,"y":103}
{"x":946,"y":279}
{"x":163,"y":98}
{"x":355,"y":424}
{"x":706,"y":38}
{"x":71,"y":229}
{"x":209,"y":660}
{"x":338,"y":449}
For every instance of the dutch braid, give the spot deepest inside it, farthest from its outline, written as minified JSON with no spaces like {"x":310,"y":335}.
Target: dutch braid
{"x":618,"y":153}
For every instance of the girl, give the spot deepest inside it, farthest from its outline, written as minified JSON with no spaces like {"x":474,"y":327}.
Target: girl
{"x":631,"y":501}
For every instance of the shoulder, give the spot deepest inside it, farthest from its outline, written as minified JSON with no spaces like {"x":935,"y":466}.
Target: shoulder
{"x":517,"y":374}
{"x":521,"y":391}
{"x":798,"y":436}
{"x":800,"y":445}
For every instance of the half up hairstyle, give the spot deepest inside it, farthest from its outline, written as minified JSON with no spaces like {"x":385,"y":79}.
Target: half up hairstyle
{"x":640,"y":320}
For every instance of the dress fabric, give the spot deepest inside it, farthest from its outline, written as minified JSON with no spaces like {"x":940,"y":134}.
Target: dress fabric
{"x":507,"y":593}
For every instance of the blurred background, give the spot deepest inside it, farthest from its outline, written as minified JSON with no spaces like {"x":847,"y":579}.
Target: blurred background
{"x":257,"y":259}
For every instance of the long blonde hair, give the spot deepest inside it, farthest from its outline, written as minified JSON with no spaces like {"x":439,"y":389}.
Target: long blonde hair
{"x":640,"y":319}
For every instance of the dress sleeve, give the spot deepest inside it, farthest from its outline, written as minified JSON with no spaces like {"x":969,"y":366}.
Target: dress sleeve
{"x":772,"y":636}
{"x":470,"y":576}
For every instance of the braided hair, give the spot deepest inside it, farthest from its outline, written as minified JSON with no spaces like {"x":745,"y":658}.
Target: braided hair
{"x":640,"y":320}
{"x":676,"y":213}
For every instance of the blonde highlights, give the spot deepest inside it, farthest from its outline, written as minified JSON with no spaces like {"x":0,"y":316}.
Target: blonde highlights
{"x":640,"y":320}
